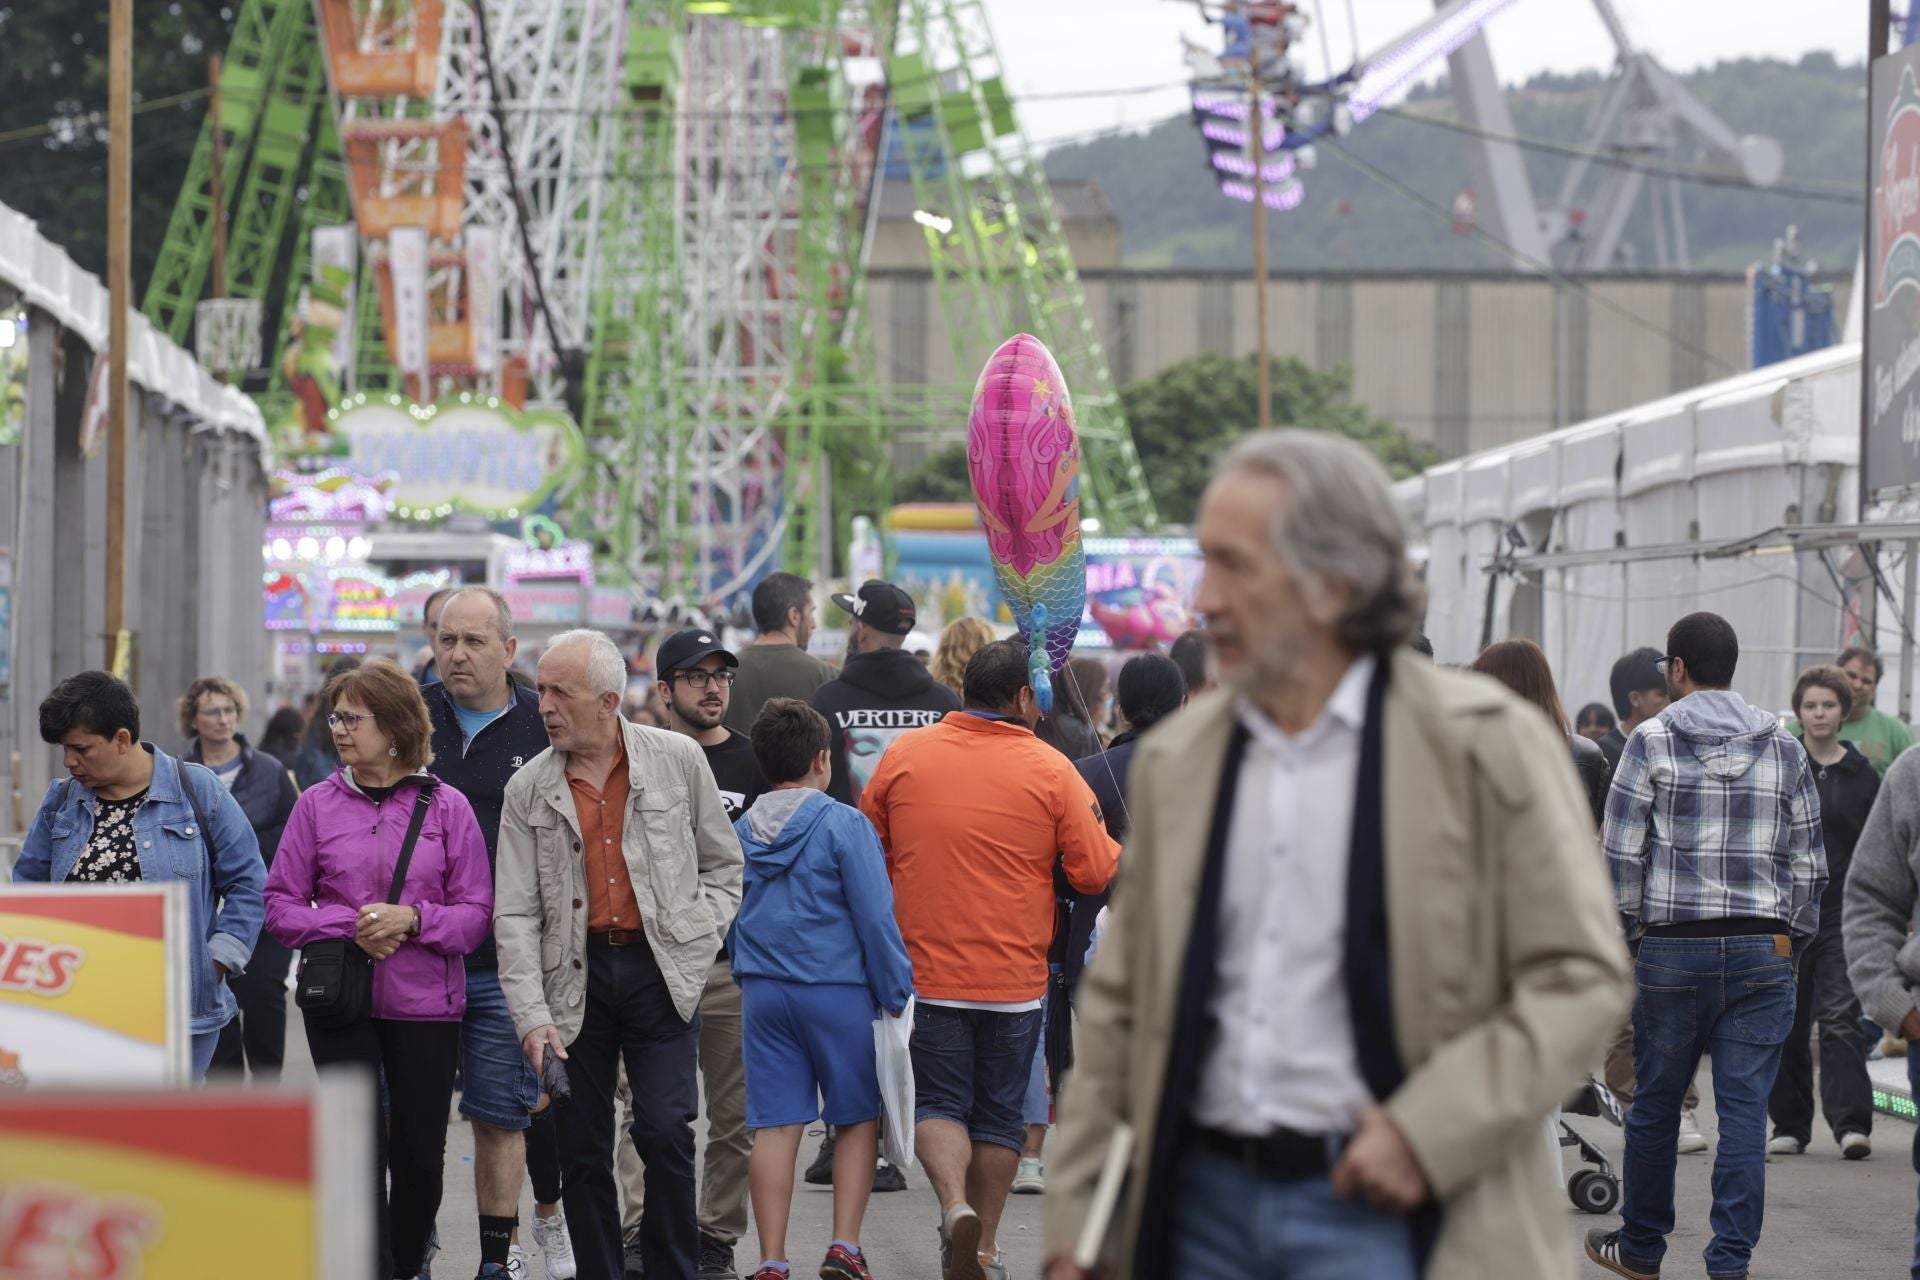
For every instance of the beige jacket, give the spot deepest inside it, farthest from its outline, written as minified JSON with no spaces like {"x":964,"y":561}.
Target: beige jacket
{"x":1508,"y":972}
{"x":683,"y":857}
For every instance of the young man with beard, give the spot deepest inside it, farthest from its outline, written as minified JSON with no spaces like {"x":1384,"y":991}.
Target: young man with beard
{"x":696,"y":677}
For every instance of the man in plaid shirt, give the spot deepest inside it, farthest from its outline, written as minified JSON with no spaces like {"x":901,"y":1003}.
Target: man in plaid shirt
{"x":1713,"y":839}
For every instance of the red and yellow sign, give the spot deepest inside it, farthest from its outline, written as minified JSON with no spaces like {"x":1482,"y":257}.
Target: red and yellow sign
{"x":92,"y":985}
{"x":158,"y":1185}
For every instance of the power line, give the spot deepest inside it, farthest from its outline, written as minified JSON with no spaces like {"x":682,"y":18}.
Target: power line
{"x":1836,"y":193}
{"x":91,"y":118}
{"x":1546,"y":269}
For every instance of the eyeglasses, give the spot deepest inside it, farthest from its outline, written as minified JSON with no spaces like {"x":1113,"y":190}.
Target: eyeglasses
{"x":699,"y":679}
{"x":1663,"y":665}
{"x":346,"y":720}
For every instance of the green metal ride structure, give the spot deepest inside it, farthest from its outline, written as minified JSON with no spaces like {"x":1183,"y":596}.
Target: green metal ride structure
{"x":687,"y":231}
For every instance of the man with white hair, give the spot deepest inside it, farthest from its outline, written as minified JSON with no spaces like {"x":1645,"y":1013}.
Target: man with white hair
{"x":617,"y":877}
{"x":1364,"y":947}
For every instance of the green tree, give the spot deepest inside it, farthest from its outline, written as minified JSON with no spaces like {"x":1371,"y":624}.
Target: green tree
{"x":53,"y":79}
{"x":1183,"y":418}
{"x":940,"y":477}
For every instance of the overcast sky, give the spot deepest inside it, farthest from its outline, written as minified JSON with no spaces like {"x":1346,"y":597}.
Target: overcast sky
{"x":1054,"y":46}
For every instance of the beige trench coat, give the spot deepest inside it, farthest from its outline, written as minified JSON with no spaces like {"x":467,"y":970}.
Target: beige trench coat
{"x":1509,"y":975}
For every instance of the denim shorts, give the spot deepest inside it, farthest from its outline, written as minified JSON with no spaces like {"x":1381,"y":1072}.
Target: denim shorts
{"x":971,"y":1066}
{"x":808,"y":1053}
{"x":498,"y":1084}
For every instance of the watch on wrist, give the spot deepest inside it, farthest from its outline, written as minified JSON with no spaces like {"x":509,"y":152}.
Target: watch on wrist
{"x":413,"y":930}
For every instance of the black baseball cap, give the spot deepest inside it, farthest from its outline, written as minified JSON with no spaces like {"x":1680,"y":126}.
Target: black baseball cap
{"x":684,"y":648}
{"x":880,"y":605}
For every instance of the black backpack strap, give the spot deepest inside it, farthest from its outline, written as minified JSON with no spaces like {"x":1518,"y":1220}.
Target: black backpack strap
{"x":421,"y":802}
{"x":193,"y":802}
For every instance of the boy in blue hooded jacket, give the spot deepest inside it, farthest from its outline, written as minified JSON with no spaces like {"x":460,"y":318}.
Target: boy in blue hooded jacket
{"x":816,"y":952}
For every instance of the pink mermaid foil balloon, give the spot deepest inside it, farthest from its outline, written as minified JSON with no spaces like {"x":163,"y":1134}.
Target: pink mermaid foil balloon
{"x":1024,"y":457}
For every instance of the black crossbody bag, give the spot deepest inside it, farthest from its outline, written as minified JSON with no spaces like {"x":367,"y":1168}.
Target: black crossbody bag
{"x":336,"y":977}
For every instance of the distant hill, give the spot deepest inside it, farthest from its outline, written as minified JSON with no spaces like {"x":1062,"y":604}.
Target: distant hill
{"x":1172,"y":218}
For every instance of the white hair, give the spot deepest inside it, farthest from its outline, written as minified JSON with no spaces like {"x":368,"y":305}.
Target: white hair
{"x":606,"y":669}
{"x":1339,"y":523}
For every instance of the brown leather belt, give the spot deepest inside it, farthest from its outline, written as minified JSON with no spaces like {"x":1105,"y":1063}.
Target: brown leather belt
{"x":618,"y":937}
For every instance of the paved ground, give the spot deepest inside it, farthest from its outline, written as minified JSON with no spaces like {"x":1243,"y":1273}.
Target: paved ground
{"x":1825,"y":1216}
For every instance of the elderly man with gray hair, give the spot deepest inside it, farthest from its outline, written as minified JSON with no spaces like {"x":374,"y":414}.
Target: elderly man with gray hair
{"x":1364,"y":944}
{"x":617,"y":877}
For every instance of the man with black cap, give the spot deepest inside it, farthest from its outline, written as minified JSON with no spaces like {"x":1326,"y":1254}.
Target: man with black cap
{"x":883,"y":691}
{"x":696,"y":675}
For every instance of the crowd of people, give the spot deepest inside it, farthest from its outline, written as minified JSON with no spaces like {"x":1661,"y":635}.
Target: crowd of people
{"x":1374,"y":921}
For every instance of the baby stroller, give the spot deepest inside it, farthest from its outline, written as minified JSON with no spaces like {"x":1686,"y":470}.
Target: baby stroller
{"x":1595,"y":1190}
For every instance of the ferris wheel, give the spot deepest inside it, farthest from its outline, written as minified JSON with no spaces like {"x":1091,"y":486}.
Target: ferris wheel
{"x":652,"y":214}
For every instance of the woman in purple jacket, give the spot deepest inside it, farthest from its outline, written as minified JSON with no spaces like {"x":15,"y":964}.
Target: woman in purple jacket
{"x":330,"y":880}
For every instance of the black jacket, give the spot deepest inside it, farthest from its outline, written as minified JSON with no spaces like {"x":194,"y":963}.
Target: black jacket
{"x":1612,"y":746}
{"x":264,"y":790}
{"x":1847,"y":791}
{"x":481,"y":769}
{"x":877,"y":697}
{"x":1596,"y":774}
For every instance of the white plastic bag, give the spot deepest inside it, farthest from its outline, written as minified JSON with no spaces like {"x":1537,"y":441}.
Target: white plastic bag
{"x":894,"y":1064}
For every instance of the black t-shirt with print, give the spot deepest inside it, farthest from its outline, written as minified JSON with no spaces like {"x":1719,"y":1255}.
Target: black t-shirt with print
{"x":111,"y":855}
{"x":736,"y":773}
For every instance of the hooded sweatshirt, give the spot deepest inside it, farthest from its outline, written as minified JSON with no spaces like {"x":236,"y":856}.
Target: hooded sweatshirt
{"x":818,"y":908}
{"x":878,"y":697}
{"x":1713,"y":815}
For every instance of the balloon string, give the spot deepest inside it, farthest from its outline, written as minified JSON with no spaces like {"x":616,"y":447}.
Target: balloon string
{"x":1119,"y":787}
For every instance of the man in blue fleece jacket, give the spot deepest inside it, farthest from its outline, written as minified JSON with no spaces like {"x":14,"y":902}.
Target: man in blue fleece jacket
{"x":816,"y":952}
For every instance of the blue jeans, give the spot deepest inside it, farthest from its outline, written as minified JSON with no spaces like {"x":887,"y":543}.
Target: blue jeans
{"x":498,"y":1086}
{"x":970,"y":1067}
{"x":1229,"y":1224}
{"x":1732,"y":998}
{"x":203,"y":1044}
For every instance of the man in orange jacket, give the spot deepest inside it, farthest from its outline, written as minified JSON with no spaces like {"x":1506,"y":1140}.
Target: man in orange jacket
{"x":973,"y":811}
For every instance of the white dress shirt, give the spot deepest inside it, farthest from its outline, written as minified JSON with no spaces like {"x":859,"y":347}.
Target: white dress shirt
{"x":1283,"y":1054}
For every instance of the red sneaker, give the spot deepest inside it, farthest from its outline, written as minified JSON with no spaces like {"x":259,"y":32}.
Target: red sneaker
{"x":844,"y":1264}
{"x":770,"y":1273}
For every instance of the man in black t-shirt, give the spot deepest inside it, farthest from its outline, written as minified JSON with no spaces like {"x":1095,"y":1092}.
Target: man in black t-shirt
{"x":696,"y":682}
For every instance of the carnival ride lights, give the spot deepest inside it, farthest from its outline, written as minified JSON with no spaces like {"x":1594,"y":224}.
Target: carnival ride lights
{"x":1295,"y":114}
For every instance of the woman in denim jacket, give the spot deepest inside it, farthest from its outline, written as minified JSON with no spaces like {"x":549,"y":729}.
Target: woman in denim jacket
{"x":129,"y":813}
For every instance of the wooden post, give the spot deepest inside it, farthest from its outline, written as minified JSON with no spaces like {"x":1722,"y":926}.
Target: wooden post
{"x":215,"y":188}
{"x":119,"y":297}
{"x":1256,"y":135}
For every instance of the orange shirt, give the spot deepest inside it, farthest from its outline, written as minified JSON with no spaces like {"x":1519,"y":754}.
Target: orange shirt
{"x":602,"y":812}
{"x":972,"y":814}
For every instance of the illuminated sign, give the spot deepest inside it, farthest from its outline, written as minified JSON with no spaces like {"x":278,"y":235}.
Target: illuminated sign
{"x":466,"y":454}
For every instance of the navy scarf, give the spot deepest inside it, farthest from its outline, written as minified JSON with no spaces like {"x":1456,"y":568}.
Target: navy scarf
{"x":1368,"y":970}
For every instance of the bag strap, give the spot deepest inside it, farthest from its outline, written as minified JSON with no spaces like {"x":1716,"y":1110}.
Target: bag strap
{"x":420,"y":804}
{"x":199,"y":814}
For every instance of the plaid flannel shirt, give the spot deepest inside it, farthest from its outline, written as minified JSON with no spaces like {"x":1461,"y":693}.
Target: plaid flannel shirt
{"x":1709,"y":827}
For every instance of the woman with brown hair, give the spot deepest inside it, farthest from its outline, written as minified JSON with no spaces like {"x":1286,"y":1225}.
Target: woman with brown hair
{"x":963,"y":638}
{"x":1522,"y":667}
{"x":332,"y":883}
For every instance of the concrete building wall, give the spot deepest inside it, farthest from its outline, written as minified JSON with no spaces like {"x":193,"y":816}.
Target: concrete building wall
{"x":1462,"y":362}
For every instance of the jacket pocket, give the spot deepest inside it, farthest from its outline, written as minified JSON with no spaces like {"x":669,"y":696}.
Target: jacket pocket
{"x":186,"y":850}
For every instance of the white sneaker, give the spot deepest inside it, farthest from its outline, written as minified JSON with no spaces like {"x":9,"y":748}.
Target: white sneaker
{"x":1032,"y":1178}
{"x":1785,"y":1145}
{"x":556,"y":1247}
{"x":1692,"y":1141}
{"x":517,"y":1264}
{"x":1855,"y":1146}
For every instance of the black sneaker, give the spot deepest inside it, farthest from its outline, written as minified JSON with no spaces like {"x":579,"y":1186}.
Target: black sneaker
{"x":715,"y":1260}
{"x":887,"y":1177}
{"x":631,"y":1262}
{"x":1604,"y":1248}
{"x":820,"y":1172}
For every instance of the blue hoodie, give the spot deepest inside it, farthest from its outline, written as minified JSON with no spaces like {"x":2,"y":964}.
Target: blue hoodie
{"x":818,"y":907}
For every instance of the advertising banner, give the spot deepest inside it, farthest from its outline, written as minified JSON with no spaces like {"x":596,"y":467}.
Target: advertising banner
{"x":93,"y":985}
{"x":1890,"y":444}
{"x":178,"y":1185}
{"x":407,"y":257}
{"x":338,"y":248}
